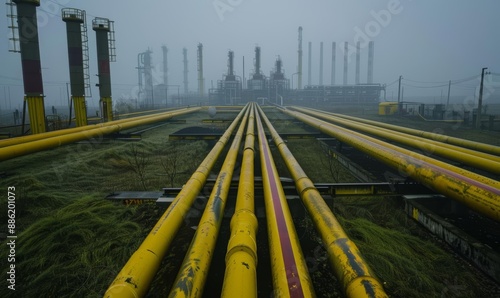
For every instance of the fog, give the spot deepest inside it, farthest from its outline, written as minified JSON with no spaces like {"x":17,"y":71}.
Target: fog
{"x":424,"y":41}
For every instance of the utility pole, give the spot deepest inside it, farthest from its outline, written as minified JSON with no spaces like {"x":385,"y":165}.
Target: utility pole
{"x":449,"y":88}
{"x":480,"y":103}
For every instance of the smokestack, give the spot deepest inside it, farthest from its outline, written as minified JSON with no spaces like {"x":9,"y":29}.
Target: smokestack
{"x":30,"y":61}
{"x":184,"y":53}
{"x":105,"y":53}
{"x":200,"y":70}
{"x":165,"y":66}
{"x":309,"y":66}
{"x":76,"y":29}
{"x":357,"y":63}
{"x":346,"y":49}
{"x":334,"y":49}
{"x":230,"y":64}
{"x":321,"y":63}
{"x":370,"y":62}
{"x":299,"y":70}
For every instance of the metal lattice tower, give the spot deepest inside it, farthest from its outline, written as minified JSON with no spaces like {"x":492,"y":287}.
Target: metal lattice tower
{"x":201,"y":83}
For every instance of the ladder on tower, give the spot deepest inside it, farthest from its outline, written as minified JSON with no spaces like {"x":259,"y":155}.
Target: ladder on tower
{"x":85,"y":56}
{"x":13,"y":29}
{"x":111,"y":42}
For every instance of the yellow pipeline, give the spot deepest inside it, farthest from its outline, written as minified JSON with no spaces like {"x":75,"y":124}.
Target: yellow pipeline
{"x":194,"y":269}
{"x":478,"y":192}
{"x":80,"y":110}
{"x":345,"y":258}
{"x":290,"y":274}
{"x":491,"y":164}
{"x":135,"y":277}
{"x":491,"y":149}
{"x":107,"y":109}
{"x":36,"y":110}
{"x":56,"y":141}
{"x":30,"y":138}
{"x":446,"y":166}
{"x":241,"y":256}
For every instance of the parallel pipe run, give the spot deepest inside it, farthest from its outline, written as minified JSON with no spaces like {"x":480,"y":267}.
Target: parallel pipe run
{"x":490,"y":149}
{"x":191,"y":278}
{"x":136,"y":276}
{"x":290,"y":274}
{"x":57,"y":141}
{"x":346,"y":260}
{"x":241,"y":256}
{"x":479,"y":193}
{"x":46,"y":135}
{"x":479,"y":160}
{"x":428,"y":147}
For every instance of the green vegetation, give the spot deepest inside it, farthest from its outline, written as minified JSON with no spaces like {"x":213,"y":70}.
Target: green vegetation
{"x":71,"y":242}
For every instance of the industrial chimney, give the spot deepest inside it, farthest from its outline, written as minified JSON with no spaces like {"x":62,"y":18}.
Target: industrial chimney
{"x":200,"y":71}
{"x":357,"y":63}
{"x":299,"y":70}
{"x":321,"y":63}
{"x":184,"y":54}
{"x":334,"y":49}
{"x":370,"y":62}
{"x":346,"y":49}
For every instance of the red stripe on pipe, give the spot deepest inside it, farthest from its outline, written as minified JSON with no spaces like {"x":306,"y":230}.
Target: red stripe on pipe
{"x":294,"y":285}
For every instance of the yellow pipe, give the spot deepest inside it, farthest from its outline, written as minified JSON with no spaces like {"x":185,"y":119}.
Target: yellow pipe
{"x":491,"y":149}
{"x":241,"y":256}
{"x":478,"y":192}
{"x":30,"y":138}
{"x":56,"y":141}
{"x":491,"y":164}
{"x":446,"y":166}
{"x":138,"y":273}
{"x":107,"y":109}
{"x":36,"y":110}
{"x":346,"y":260}
{"x":398,"y":130}
{"x":290,"y":274}
{"x":191,"y":278}
{"x":80,"y":110}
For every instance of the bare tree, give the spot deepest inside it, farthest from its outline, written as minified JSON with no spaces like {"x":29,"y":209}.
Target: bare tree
{"x":137,"y":162}
{"x":170,"y":162}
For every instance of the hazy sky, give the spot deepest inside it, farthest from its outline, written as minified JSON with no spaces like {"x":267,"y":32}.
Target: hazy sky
{"x":430,"y":41}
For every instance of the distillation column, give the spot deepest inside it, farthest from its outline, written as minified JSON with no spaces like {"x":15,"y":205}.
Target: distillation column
{"x":321,"y":63}
{"x":30,"y":59}
{"x":201,"y":85}
{"x":346,"y":50}
{"x":358,"y":58}
{"x":75,"y":20}
{"x":370,"y":63}
{"x":309,"y":65}
{"x":299,"y":70}
{"x":165,"y":72}
{"x":103,"y":29}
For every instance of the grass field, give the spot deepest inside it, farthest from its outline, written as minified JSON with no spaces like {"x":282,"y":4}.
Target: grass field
{"x":72,"y":243}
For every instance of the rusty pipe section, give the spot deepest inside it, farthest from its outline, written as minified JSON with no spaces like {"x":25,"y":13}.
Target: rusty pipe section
{"x":290,"y":274}
{"x":486,"y":148}
{"x":478,"y":192}
{"x":46,"y":135}
{"x":349,"y":266}
{"x":59,"y":140}
{"x":191,"y":278}
{"x":469,"y":157}
{"x":136,"y":276}
{"x":241,"y":256}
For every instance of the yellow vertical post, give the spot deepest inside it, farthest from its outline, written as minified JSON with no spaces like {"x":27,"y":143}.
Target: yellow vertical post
{"x":290,"y":274}
{"x":240,"y":279}
{"x":80,"y":110}
{"x":36,"y":110}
